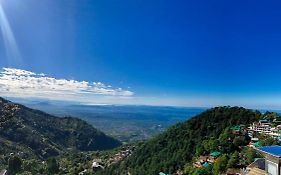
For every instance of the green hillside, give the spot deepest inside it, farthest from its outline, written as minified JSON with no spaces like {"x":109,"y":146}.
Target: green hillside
{"x":175,"y":148}
{"x":36,"y":134}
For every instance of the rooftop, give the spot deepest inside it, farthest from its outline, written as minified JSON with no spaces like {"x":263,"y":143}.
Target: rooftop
{"x":258,"y":163}
{"x":161,"y":173}
{"x":236,"y":128}
{"x":215,"y":154}
{"x":255,"y":139}
{"x":257,"y":144}
{"x":206,"y":164}
{"x":273,"y":150}
{"x":264,"y":121}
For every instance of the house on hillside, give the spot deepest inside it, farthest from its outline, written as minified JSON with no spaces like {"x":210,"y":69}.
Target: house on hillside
{"x":161,"y":173}
{"x":277,"y":120}
{"x":236,"y":130}
{"x":205,"y":161}
{"x":205,"y":165}
{"x":275,"y":132}
{"x":213,"y":156}
{"x":203,"y":158}
{"x":96,"y":166}
{"x":255,"y":142}
{"x":263,"y":126}
{"x":257,"y":167}
{"x":272,"y":157}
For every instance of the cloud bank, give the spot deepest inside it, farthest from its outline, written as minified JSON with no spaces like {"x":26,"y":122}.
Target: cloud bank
{"x":22,"y":83}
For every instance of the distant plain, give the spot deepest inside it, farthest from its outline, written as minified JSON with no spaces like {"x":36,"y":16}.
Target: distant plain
{"x":127,"y":123}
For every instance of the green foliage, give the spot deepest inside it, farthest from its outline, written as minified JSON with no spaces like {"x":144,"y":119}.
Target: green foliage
{"x":33,"y":166}
{"x":199,"y":150}
{"x":40,"y":135}
{"x":225,"y":135}
{"x":202,"y":171}
{"x":270,"y":115}
{"x":248,"y":156}
{"x":234,"y":160}
{"x":176,"y":147}
{"x":266,"y":140}
{"x":14,"y":164}
{"x":52,"y":166}
{"x":240,"y":141}
{"x":220,"y":165}
{"x":211,"y":144}
{"x":25,"y":173}
{"x":188,"y":169}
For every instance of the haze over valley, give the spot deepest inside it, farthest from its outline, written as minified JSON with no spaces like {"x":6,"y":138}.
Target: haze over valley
{"x":128,"y":123}
{"x":102,"y":87}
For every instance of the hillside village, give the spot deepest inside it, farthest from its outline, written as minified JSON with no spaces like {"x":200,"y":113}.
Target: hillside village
{"x":258,"y":135}
{"x":247,"y":157}
{"x":241,"y":149}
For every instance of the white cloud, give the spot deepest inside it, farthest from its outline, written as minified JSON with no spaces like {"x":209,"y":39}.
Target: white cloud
{"x":22,"y":83}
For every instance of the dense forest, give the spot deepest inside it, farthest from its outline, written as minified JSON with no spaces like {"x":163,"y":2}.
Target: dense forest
{"x":36,"y":134}
{"x":69,"y":145}
{"x":176,"y":148}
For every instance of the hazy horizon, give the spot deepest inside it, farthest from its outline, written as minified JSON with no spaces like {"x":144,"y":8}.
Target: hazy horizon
{"x":193,"y":54}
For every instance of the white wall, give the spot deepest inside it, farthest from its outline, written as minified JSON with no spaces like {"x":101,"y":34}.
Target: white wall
{"x":271,"y":167}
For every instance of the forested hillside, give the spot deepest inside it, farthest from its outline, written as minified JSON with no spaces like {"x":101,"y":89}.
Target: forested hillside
{"x":176,"y":147}
{"x":37,"y":134}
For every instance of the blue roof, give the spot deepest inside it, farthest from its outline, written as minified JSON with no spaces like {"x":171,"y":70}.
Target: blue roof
{"x":273,"y":150}
{"x":161,"y":173}
{"x":206,"y":164}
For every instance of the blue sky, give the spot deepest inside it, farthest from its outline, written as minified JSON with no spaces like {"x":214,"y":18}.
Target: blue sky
{"x":187,"y":53}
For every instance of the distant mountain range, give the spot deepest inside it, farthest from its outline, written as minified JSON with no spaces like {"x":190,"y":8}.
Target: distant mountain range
{"x":41,"y":135}
{"x":128,"y":123}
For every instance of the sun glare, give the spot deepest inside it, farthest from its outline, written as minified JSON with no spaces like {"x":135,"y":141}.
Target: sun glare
{"x":9,"y":41}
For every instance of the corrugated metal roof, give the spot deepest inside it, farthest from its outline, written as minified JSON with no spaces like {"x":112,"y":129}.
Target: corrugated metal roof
{"x":273,"y":150}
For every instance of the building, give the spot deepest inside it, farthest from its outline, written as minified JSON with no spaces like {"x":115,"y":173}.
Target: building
{"x":255,"y":142}
{"x":161,"y":173}
{"x":236,"y":130}
{"x":275,"y":132}
{"x":96,"y":166}
{"x":251,"y":132}
{"x":256,"y":168}
{"x":213,"y":156}
{"x":272,"y":155}
{"x":206,"y":165}
{"x":263,"y":126}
